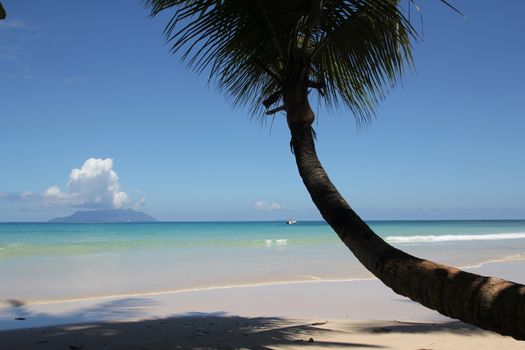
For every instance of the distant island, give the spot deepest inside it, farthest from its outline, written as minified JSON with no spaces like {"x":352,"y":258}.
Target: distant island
{"x":104,"y":216}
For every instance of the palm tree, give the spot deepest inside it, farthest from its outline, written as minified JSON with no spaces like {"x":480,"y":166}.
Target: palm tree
{"x":270,"y":55}
{"x":2,"y":12}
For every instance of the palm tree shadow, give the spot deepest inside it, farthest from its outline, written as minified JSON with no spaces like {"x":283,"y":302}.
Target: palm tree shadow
{"x":456,"y":327}
{"x":188,"y":331}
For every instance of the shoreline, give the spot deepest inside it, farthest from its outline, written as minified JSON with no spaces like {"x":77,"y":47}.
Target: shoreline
{"x":279,"y":296}
{"x":188,"y":290}
{"x":359,"y":314}
{"x":5,"y":302}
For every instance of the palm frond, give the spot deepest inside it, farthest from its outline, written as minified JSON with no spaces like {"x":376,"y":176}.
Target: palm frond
{"x":353,"y":51}
{"x":455,"y":9}
{"x":2,"y":12}
{"x":361,"y":53}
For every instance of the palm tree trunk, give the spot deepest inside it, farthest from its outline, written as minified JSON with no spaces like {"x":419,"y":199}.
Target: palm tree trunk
{"x":486,"y":302}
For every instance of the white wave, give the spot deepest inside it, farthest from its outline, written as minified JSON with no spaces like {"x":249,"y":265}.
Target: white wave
{"x":453,"y":238}
{"x":276,"y":242}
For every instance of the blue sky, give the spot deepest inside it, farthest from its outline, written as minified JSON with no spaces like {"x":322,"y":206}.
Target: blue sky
{"x":81,"y":80}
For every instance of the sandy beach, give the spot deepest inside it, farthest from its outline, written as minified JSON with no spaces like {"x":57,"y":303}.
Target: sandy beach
{"x":234,"y":174}
{"x":319,"y":315}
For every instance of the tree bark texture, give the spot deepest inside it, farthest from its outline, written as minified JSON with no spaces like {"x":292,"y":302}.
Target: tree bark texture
{"x":487,"y":302}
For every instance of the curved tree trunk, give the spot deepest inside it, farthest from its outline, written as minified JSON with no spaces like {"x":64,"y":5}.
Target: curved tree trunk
{"x":486,"y":302}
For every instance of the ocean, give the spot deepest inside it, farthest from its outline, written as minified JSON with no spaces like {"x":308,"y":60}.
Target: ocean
{"x":42,"y":262}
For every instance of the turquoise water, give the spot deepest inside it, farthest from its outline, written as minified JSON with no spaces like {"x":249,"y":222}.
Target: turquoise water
{"x":41,"y":261}
{"x":30,"y":239}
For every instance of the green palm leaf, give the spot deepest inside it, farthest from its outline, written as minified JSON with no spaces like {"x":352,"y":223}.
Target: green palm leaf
{"x":351,"y":51}
{"x":2,"y":12}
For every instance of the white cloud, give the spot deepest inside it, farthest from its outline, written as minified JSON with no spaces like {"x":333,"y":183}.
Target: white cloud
{"x":261,"y":205}
{"x":138,"y":206}
{"x":26,"y":194}
{"x":94,"y":185}
{"x":16,"y":197}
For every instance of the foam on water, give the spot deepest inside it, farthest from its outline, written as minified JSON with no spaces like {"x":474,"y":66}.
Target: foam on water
{"x":453,"y":238}
{"x":276,"y":242}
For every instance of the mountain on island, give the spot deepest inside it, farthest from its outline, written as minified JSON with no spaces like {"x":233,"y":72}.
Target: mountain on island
{"x":104,"y":216}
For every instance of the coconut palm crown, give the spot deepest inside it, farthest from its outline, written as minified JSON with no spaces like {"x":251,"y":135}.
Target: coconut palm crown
{"x":259,"y":51}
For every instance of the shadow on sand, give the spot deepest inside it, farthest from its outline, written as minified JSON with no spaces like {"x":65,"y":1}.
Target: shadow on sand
{"x":456,"y":327}
{"x":188,"y":331}
{"x":78,"y":330}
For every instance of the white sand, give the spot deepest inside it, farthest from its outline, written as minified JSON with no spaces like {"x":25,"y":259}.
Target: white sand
{"x":272,"y":316}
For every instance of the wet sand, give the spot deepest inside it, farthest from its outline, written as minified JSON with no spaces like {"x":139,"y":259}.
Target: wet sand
{"x":339,"y":314}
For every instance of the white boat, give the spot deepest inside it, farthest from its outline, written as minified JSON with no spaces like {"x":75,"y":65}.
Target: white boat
{"x":291,"y":222}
